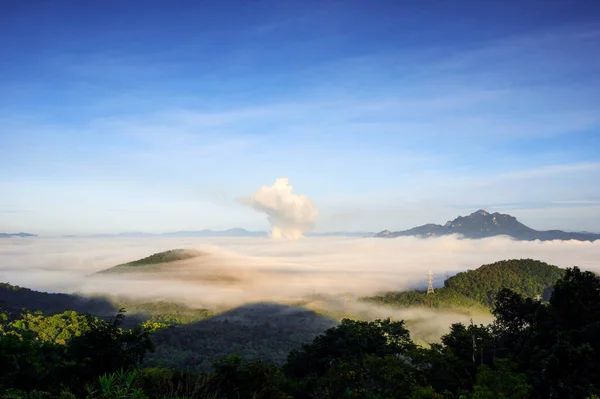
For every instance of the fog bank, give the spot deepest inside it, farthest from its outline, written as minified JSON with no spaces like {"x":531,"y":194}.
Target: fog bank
{"x":243,"y":270}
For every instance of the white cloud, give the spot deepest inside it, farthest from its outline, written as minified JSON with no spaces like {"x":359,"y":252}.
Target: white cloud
{"x":291,"y":215}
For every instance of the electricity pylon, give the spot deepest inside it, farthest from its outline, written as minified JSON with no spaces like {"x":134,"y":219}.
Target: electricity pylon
{"x":430,"y":286}
{"x":348,"y":301}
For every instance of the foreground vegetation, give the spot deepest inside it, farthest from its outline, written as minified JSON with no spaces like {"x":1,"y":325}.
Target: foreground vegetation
{"x":533,"y":349}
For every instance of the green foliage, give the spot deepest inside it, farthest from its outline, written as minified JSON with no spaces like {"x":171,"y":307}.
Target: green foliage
{"x":350,"y":340}
{"x":106,"y":348}
{"x":526,"y":277}
{"x":427,"y":392}
{"x":58,"y":328}
{"x":357,"y":359}
{"x":500,"y":382}
{"x":47,"y":353}
{"x":234,"y":378}
{"x":23,"y":360}
{"x":452,"y":364}
{"x":557,"y":344}
{"x":117,"y":385}
{"x":369,"y":376}
{"x":172,"y":383}
{"x":533,"y":350}
{"x":9,"y":287}
{"x":22,"y":394}
{"x":442,"y":299}
{"x":164,"y":313}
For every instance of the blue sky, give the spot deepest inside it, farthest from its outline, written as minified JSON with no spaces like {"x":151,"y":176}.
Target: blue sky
{"x":154,"y":116}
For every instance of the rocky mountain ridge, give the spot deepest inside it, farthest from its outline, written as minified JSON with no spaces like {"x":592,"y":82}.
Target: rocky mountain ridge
{"x":482,"y":224}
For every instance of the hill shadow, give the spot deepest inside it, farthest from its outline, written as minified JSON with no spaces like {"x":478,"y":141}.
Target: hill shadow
{"x":14,"y":299}
{"x":263,"y":330}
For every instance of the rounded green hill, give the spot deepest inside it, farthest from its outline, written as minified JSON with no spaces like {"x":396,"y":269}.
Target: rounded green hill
{"x":527,"y":277}
{"x":473,"y":291}
{"x":170,"y":256}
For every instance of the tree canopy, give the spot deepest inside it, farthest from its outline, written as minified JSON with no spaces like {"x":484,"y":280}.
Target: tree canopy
{"x":527,"y":277}
{"x":533,"y":349}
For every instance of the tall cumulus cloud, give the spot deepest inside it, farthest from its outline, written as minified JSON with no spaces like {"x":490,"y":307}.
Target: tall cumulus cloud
{"x":290,"y":215}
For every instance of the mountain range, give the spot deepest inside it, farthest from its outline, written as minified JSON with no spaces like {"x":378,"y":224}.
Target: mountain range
{"x":235,"y":232}
{"x":7,"y":235}
{"x":479,"y":224}
{"x":482,"y":224}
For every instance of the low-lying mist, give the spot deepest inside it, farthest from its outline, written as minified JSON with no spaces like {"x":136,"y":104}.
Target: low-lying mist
{"x":320,"y":272}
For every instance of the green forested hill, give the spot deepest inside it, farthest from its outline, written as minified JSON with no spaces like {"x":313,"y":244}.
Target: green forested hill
{"x":172,"y":255}
{"x":473,"y":291}
{"x":526,"y":277}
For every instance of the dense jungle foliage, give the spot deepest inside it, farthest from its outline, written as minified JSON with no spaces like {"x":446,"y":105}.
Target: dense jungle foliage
{"x":533,"y":349}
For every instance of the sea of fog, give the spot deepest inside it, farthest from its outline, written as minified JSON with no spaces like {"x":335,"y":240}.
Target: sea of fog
{"x":271,"y":269}
{"x":263,"y":269}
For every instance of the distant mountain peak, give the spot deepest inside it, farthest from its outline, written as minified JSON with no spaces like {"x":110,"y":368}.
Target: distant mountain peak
{"x":481,"y":224}
{"x":384,"y":233}
{"x":480,"y":212}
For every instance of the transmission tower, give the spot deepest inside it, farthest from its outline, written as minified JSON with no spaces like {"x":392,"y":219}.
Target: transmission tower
{"x":430,"y":280}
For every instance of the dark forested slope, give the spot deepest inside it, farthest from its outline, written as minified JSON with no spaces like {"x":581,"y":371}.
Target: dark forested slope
{"x":14,"y":299}
{"x":266,"y":331}
{"x":17,"y":300}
